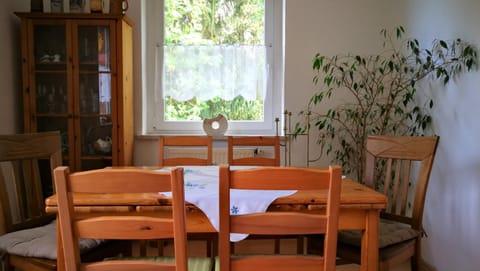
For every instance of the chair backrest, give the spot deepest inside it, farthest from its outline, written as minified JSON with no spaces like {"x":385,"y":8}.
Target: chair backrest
{"x":269,"y":142}
{"x":281,"y":222}
{"x":122,"y":226}
{"x":168,"y":143}
{"x":400,"y":166}
{"x":23,"y":181}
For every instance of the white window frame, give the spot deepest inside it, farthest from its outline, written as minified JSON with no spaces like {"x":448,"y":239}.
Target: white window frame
{"x":152,"y":36}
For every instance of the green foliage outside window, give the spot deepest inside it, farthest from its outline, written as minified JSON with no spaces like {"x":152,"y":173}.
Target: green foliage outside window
{"x":213,"y":22}
{"x":236,"y":109}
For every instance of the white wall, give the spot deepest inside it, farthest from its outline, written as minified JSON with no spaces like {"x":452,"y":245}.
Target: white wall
{"x":314,"y":26}
{"x":10,"y":90}
{"x":452,"y":217}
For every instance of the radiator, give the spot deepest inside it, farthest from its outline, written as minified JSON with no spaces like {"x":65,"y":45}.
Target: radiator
{"x":220,"y":155}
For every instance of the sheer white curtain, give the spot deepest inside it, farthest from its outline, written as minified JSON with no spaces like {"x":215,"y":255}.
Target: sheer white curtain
{"x":208,"y":71}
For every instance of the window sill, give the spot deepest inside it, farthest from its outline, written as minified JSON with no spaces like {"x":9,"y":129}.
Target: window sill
{"x":215,"y":138}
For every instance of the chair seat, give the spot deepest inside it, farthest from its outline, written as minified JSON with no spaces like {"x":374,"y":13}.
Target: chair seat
{"x":194,"y":263}
{"x":389,"y":233}
{"x":39,"y":242}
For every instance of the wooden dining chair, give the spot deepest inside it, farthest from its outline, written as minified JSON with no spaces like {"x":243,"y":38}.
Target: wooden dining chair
{"x":268,"y":142}
{"x":279,"y":222}
{"x":22,"y":192}
{"x":398,"y":166}
{"x":28,"y":232}
{"x":168,"y":143}
{"x":184,"y":145}
{"x":127,"y":225}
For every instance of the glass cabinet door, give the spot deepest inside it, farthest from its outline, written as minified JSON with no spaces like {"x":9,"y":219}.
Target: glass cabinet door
{"x":76,"y":79}
{"x":94,"y":124}
{"x":50,"y":108}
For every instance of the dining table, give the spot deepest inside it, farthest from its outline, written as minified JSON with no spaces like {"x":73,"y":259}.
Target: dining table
{"x":360,"y":208}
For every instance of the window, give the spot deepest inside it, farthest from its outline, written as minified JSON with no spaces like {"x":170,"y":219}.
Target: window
{"x":208,"y":57}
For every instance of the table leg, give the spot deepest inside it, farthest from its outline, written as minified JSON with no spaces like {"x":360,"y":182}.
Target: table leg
{"x":369,"y":260}
{"x":60,"y":256}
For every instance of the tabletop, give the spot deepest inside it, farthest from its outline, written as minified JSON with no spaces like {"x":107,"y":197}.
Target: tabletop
{"x":353,"y":195}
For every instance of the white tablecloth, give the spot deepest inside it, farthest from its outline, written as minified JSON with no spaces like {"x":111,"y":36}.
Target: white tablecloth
{"x":201,"y":190}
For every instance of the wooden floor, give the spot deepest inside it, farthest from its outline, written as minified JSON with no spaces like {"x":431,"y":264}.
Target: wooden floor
{"x":198,"y":248}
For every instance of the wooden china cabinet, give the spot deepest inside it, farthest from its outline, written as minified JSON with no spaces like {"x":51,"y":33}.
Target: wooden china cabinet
{"x":77,"y":78}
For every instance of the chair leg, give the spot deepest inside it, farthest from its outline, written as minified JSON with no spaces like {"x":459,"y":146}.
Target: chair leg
{"x":214,"y":242}
{"x":160,"y":245}
{"x":301,"y":245}
{"x":209,"y":248}
{"x":139,"y":248}
{"x":276,"y":246}
{"x":211,"y":243}
{"x":416,"y":260}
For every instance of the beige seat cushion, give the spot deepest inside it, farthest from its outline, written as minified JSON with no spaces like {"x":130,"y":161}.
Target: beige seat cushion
{"x":39,"y":242}
{"x":389,"y":233}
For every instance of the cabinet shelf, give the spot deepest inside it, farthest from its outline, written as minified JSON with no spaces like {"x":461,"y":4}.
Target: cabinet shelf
{"x":51,"y":71}
{"x":99,"y":157}
{"x":52,"y":115}
{"x":53,"y":63}
{"x":90,"y":63}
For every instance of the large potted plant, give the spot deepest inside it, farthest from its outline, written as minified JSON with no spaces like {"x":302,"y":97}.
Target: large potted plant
{"x":382,"y":90}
